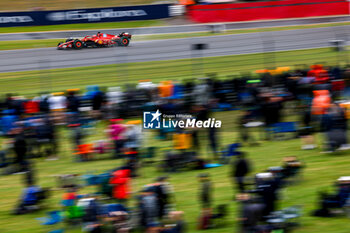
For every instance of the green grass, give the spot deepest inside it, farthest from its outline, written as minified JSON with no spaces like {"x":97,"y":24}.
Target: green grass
{"x":320,"y":173}
{"x":32,"y":82}
{"x":44,"y":43}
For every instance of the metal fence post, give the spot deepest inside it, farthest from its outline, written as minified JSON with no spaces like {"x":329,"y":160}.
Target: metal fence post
{"x":44,"y":75}
{"x":197,"y":59}
{"x":268,"y":44}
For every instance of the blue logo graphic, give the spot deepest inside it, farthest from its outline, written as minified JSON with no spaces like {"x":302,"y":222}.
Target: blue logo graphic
{"x":151,"y":120}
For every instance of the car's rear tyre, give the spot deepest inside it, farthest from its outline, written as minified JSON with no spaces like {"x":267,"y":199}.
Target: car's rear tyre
{"x":77,"y":44}
{"x":58,"y":45}
{"x":124,"y":41}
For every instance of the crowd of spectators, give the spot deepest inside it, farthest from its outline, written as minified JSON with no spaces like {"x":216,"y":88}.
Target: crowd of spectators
{"x":31,"y":128}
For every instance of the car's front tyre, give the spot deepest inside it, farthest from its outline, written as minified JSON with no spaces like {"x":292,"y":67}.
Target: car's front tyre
{"x":78,"y":44}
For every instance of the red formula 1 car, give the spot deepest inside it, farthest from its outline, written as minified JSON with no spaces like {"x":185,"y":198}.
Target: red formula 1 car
{"x":98,"y":40}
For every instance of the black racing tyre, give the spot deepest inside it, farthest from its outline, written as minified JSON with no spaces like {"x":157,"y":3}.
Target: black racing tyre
{"x":77,"y":44}
{"x":59,"y":45}
{"x":124,"y":41}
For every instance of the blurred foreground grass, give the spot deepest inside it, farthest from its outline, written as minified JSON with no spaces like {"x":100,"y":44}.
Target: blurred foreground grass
{"x":320,"y":173}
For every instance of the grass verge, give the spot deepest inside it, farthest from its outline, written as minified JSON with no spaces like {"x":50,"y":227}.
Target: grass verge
{"x":32,"y":82}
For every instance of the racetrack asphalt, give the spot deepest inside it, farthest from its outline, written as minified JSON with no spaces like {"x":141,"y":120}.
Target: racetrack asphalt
{"x":170,"y":49}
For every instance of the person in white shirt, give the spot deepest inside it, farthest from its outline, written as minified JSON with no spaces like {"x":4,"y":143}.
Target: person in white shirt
{"x":57,"y":105}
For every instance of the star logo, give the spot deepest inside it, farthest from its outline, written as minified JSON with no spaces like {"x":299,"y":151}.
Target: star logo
{"x":156,"y":115}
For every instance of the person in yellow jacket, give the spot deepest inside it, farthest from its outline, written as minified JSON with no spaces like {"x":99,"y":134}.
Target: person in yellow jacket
{"x":182,"y":141}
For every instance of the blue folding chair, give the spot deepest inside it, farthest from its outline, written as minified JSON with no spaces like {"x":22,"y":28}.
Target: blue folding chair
{"x":67,"y":203}
{"x":57,"y":231}
{"x":53,"y":217}
{"x":92,"y":179}
{"x":284,"y":127}
{"x":232,"y":150}
{"x":108,"y":208}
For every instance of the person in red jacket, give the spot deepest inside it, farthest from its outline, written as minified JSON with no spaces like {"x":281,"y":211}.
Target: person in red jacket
{"x":121,"y":182}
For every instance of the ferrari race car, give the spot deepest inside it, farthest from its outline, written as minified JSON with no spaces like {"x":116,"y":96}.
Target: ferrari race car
{"x":98,"y":40}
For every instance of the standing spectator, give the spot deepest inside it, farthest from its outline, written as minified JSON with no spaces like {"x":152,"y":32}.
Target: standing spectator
{"x":320,"y":103}
{"x":213,"y":141}
{"x":20,"y":148}
{"x":205,"y":191}
{"x":98,"y":99}
{"x":205,"y":198}
{"x":73,"y":104}
{"x":57,"y":104}
{"x":52,"y":138}
{"x":306,"y":132}
{"x":240,"y":168}
{"x":116,"y":130}
{"x":148,"y":209}
{"x":162,"y":190}
{"x":202,"y":93}
{"x":77,"y":134}
{"x":133,"y":135}
{"x":8,"y":121}
{"x":120,"y":182}
{"x":335,"y":125}
{"x":271,"y":109}
{"x":9,"y":101}
{"x":114,"y":98}
{"x":43,"y":100}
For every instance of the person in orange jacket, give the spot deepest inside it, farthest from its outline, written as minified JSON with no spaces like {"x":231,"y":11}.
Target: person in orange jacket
{"x":321,"y":102}
{"x":121,"y":185}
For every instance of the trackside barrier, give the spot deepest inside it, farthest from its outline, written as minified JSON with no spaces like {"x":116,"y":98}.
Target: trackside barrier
{"x":91,"y":15}
{"x":267,"y":10}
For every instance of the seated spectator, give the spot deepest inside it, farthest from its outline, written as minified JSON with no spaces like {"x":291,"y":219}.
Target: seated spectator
{"x":267,"y":187}
{"x":149,"y":209}
{"x":120,"y":222}
{"x":336,"y":200}
{"x":291,"y":166}
{"x":176,"y":223}
{"x":31,"y":196}
{"x":240,"y":168}
{"x":251,"y":213}
{"x":91,"y":217}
